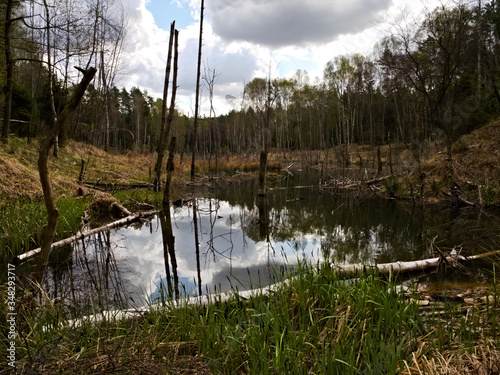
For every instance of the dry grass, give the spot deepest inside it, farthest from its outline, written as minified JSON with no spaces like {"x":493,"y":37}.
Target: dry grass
{"x":485,"y":360}
{"x":19,"y":172}
{"x":476,"y":165}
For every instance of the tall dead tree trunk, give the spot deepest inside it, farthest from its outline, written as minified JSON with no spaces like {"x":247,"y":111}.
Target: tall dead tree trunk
{"x":171,"y":151}
{"x":50,"y":68}
{"x":10,"y":68}
{"x":164,"y":132}
{"x":265,"y":148}
{"x":106,"y":103}
{"x":196,"y":106}
{"x":170,"y":171}
{"x":43,"y":170}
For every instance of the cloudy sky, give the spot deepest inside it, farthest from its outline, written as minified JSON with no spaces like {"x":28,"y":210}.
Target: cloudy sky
{"x":244,"y":39}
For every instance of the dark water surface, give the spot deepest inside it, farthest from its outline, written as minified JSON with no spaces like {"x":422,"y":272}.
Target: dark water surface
{"x":247,"y":242}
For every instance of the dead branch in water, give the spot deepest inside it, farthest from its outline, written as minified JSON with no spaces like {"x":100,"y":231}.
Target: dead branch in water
{"x":80,"y":236}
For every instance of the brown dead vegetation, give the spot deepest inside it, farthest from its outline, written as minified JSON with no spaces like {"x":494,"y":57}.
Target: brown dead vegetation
{"x":484,"y":360}
{"x":476,"y":165}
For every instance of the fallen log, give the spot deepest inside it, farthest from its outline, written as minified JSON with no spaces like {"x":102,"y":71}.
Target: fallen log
{"x":353,"y":270}
{"x":82,"y":235}
{"x":121,"y":209}
{"x":347,"y":271}
{"x":108,"y":186}
{"x":362,"y":183}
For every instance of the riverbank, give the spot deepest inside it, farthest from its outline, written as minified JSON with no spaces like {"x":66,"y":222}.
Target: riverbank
{"x":80,"y":167}
{"x":316,"y":323}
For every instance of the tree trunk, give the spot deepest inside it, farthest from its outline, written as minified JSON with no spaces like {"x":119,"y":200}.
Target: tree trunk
{"x":80,"y":236}
{"x":106,"y":103}
{"x":10,"y":79}
{"x":43,"y":170}
{"x":354,"y":270}
{"x":265,"y":149}
{"x":164,"y":132}
{"x":170,"y":170}
{"x":196,"y":106}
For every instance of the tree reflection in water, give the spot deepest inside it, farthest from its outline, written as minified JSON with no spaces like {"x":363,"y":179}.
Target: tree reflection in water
{"x":88,"y":278}
{"x":241,"y":240}
{"x":197,"y":246}
{"x":169,"y":252}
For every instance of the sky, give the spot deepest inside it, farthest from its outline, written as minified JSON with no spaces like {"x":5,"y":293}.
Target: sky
{"x":245,"y":39}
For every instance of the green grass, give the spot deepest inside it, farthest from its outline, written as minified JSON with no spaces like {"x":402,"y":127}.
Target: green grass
{"x":316,"y":323}
{"x":22,"y":222}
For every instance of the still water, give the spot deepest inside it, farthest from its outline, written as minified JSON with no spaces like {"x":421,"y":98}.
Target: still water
{"x":228,"y":238}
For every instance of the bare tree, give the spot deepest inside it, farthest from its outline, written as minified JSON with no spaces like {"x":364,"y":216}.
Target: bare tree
{"x":50,"y":68}
{"x":210,"y":76}
{"x":196,"y":106}
{"x":171,"y":151}
{"x":432,"y":60}
{"x":164,"y":132}
{"x":43,"y":169}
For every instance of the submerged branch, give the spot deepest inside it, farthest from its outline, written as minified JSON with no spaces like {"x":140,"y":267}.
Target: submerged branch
{"x":82,"y":235}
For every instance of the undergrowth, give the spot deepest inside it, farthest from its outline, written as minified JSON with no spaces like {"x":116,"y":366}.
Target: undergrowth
{"x":313,"y":324}
{"x":22,"y":222}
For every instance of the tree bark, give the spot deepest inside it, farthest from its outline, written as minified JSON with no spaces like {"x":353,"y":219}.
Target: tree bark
{"x":262,"y":174}
{"x":171,"y":151}
{"x":354,"y":270}
{"x":196,"y":106}
{"x":43,"y":170}
{"x":170,"y":170}
{"x":164,"y":132}
{"x":10,"y":79}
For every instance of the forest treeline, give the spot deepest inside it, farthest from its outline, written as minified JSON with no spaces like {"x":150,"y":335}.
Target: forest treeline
{"x":430,"y":80}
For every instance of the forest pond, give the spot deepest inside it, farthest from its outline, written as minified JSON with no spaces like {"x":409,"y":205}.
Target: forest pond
{"x":248,"y":242}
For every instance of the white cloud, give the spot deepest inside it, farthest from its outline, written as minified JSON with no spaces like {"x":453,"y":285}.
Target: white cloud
{"x":279,"y":23}
{"x":242,"y":39}
{"x":145,"y":49}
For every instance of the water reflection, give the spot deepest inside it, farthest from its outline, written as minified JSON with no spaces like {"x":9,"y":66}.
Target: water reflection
{"x":171,"y":276}
{"x":93,"y":275}
{"x":233,"y":239}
